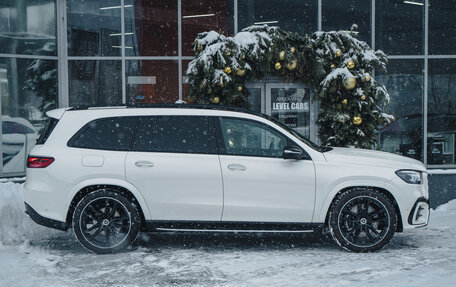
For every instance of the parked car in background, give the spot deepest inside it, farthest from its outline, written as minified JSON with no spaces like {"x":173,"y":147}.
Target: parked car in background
{"x":108,"y":173}
{"x":18,"y":138}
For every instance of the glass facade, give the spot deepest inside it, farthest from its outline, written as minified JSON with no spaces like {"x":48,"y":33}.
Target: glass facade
{"x":104,"y":52}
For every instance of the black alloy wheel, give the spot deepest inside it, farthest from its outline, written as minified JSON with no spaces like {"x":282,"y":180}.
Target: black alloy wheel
{"x":362,"y":220}
{"x":105,"y":221}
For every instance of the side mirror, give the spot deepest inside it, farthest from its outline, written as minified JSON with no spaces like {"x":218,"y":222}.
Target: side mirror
{"x":292,"y":152}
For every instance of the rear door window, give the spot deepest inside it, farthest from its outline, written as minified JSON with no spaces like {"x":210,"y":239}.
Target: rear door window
{"x":106,"y":134}
{"x":177,"y":134}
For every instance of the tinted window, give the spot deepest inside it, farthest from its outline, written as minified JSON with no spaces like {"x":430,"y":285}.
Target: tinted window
{"x":47,"y":130}
{"x":106,"y":134}
{"x":244,"y":137}
{"x":15,"y":128}
{"x":181,"y":134}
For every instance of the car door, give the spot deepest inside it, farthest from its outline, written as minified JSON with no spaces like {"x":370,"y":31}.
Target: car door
{"x":259,"y":185}
{"x":173,"y":162}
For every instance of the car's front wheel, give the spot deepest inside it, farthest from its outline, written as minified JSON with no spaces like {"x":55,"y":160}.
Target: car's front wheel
{"x":105,"y":221}
{"x":362,"y":220}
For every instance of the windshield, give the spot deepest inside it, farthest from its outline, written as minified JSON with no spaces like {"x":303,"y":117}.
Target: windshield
{"x":300,"y":136}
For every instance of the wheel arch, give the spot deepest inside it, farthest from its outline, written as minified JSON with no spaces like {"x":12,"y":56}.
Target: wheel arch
{"x":128,"y":191}
{"x":381,"y":190}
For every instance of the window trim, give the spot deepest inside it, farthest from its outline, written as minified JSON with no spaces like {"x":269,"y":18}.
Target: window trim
{"x":221,"y":145}
{"x":71,"y":141}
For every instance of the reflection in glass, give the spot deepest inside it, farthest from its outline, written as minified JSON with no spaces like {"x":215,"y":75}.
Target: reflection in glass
{"x":26,"y":26}
{"x":291,"y":15}
{"x":342,"y":14}
{"x":202,"y":16}
{"x":404,"y":83}
{"x":399,"y":27}
{"x":152,"y":81}
{"x":441,"y":111}
{"x":291,"y":106}
{"x":255,"y":99}
{"x":442,"y":27}
{"x":95,"y":83}
{"x":28,"y":88}
{"x":150,"y":28}
{"x":94,"y":28}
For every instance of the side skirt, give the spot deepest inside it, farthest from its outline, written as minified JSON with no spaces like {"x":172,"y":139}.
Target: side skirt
{"x":223,"y":226}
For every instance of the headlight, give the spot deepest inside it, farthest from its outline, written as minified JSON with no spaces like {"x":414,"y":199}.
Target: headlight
{"x":410,"y":176}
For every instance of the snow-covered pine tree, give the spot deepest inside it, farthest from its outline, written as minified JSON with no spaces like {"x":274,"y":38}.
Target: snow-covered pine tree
{"x":336,"y":64}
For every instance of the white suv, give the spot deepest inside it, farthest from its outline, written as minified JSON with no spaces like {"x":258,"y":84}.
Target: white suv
{"x":110,"y":172}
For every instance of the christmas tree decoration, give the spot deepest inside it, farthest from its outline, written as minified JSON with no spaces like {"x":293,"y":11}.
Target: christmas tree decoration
{"x":357,"y":120}
{"x":349,"y":83}
{"x":350,"y":64}
{"x":320,"y":64}
{"x":240,"y":72}
{"x":292,"y":65}
{"x":215,"y":100}
{"x":278,"y":66}
{"x":228,"y":52}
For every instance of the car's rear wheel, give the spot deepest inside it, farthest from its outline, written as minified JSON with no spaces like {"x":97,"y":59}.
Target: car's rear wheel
{"x":362,"y":220}
{"x":105,"y":221}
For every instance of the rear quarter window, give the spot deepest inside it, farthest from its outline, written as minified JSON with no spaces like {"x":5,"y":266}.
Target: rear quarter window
{"x":47,"y":130}
{"x":106,"y":134}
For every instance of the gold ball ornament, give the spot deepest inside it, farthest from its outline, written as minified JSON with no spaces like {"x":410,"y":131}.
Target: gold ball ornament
{"x":209,"y":91}
{"x":228,"y":52}
{"x":240,"y":72}
{"x":367,"y":78}
{"x":243,"y":57}
{"x":350,"y":83}
{"x":216,"y":100}
{"x":200,"y":48}
{"x":240,"y":89}
{"x":291,"y":66}
{"x":203,"y":85}
{"x":363,"y":97}
{"x":278,"y":66}
{"x":344,"y":101}
{"x":350,"y":64}
{"x":357,"y":120}
{"x":227,"y":70}
{"x":282,"y":55}
{"x":338,"y":53}
{"x":333,"y":66}
{"x":293,"y":49}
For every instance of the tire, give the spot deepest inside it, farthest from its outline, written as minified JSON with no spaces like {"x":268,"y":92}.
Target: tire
{"x":362,"y":220}
{"x":105,"y":221}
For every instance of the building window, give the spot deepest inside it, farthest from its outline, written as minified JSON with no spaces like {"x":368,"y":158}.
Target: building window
{"x":291,"y":15}
{"x":202,"y":16}
{"x":151,"y":28}
{"x":96,"y":83}
{"x":94,"y":28}
{"x":341,"y":14}
{"x":442,"y":27}
{"x":152,"y":81}
{"x":404,"y":83}
{"x":441,"y":112}
{"x":28,"y":27}
{"x":399,"y":27}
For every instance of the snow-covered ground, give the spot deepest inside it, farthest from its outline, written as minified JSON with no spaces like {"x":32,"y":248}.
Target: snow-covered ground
{"x":31,"y":255}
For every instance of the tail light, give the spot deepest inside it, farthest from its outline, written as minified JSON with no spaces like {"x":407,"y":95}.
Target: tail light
{"x":39,"y":162}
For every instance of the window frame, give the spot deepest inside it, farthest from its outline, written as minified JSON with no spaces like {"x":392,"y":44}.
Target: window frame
{"x":221,"y":144}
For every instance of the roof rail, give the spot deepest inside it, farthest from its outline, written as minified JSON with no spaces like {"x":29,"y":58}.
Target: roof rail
{"x":171,"y":106}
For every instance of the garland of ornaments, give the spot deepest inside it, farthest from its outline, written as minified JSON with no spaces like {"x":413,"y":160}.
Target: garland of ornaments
{"x":336,"y":64}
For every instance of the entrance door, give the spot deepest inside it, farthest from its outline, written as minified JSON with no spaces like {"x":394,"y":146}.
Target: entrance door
{"x":289,"y":103}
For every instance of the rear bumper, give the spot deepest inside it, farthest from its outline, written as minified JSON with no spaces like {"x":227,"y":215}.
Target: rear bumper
{"x":43,"y":220}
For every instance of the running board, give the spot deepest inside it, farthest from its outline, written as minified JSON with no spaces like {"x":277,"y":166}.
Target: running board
{"x":224,"y":226}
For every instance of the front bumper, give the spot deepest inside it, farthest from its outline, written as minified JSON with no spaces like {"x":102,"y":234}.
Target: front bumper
{"x":43,"y":220}
{"x":419,"y":215}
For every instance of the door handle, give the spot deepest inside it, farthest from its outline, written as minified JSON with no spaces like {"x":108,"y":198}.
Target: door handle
{"x":144,"y":163}
{"x":235,"y":166}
